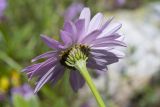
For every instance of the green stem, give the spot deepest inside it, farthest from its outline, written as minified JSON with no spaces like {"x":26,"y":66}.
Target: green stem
{"x":81,"y":66}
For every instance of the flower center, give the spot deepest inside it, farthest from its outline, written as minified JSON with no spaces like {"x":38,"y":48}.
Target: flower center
{"x":73,"y":54}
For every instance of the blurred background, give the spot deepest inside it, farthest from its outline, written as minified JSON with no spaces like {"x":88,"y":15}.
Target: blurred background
{"x":133,"y":82}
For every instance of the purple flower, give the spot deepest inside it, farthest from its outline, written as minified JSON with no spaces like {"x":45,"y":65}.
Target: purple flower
{"x":120,"y":2}
{"x":2,"y":96}
{"x":3,"y":5}
{"x":25,"y":91}
{"x":96,"y":38}
{"x":86,"y":104}
{"x":73,"y":10}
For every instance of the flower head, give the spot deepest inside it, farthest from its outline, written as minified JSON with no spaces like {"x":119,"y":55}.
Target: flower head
{"x":93,"y":40}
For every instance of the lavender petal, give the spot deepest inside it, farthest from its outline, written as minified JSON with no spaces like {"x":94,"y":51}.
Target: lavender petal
{"x":107,"y":23}
{"x":110,"y":30}
{"x":45,"y":55}
{"x":111,"y":43}
{"x":106,"y":38}
{"x":50,"y":61}
{"x":109,"y":58}
{"x":44,"y":79}
{"x":80,"y":28}
{"x":50,"y":42}
{"x":76,"y":80}
{"x":31,"y":67}
{"x":93,"y":63}
{"x":71,"y":28}
{"x":95,"y":23}
{"x":66,"y":38}
{"x":90,"y":37}
{"x":85,"y":14}
{"x":59,"y":72}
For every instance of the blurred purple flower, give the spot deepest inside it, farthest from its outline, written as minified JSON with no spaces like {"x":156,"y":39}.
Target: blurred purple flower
{"x":114,"y":4}
{"x":120,"y":2}
{"x":96,"y":38}
{"x":24,"y":90}
{"x":2,"y":96}
{"x":3,"y":5}
{"x":86,"y":104}
{"x":73,"y":10}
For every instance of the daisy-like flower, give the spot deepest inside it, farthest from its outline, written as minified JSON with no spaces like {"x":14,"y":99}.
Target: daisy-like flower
{"x":91,"y":40}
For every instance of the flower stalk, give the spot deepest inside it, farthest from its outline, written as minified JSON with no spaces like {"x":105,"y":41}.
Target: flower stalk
{"x":81,"y":66}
